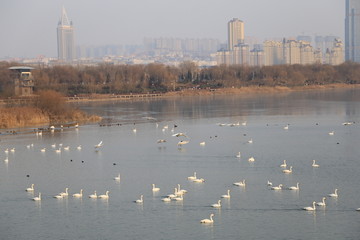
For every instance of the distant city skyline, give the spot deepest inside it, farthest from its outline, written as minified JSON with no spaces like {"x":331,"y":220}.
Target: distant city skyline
{"x":28,"y":28}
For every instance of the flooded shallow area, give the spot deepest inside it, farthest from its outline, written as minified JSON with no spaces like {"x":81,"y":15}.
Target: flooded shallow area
{"x":298,"y":127}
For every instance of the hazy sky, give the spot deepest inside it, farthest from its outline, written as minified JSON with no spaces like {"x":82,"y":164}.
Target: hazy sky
{"x":28,"y":27}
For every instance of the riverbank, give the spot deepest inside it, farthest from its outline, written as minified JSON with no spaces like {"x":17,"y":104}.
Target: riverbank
{"x":21,"y":117}
{"x":257,"y":89}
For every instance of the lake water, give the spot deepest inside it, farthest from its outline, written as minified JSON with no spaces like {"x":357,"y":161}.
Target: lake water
{"x":252,"y":212}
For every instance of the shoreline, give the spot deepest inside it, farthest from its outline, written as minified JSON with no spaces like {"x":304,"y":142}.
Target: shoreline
{"x":209,"y":92}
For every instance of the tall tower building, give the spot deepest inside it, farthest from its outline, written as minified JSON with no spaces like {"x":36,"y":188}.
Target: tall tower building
{"x":235,"y":33}
{"x":352,"y":30}
{"x":65,"y":38}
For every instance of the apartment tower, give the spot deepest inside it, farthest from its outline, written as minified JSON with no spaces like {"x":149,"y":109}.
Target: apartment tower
{"x":235,"y":33}
{"x":352,"y":30}
{"x":65,"y":38}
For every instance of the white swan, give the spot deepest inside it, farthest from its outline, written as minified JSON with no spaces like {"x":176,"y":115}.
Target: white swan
{"x":12,"y":150}
{"x":30,"y":189}
{"x":294,"y":187}
{"x":335,"y":194}
{"x":67,"y":148}
{"x":78,"y":195}
{"x":155,"y":189}
{"x":284,"y":165}
{"x":227,"y":195}
{"x":180,"y":198}
{"x":332,"y":133}
{"x":241,"y":184}
{"x":269,"y":183}
{"x":53,"y":145}
{"x":192,"y":177}
{"x":202,"y":143}
{"x":217,"y":205}
{"x":286,"y":127}
{"x":199,"y":180}
{"x":313,"y":208}
{"x":78,"y":147}
{"x":173,"y":195}
{"x":43,"y":150}
{"x":64,"y":194}
{"x":358,"y":209}
{"x":206,"y":220}
{"x":314,"y":164}
{"x":100,"y":144}
{"x":181,"y":191}
{"x":250,"y":141}
{"x":6,"y":160}
{"x":94,"y":195}
{"x":251,"y":159}
{"x":288,"y":170}
{"x":134,"y":130}
{"x":277,"y":188}
{"x":238,"y":155}
{"x":141,"y":200}
{"x":322,"y":203}
{"x":38,"y":198}
{"x":104,"y":196}
{"x":59,"y":196}
{"x":167,"y":199}
{"x":6,"y":150}
{"x":117,"y":178}
{"x":58,"y":150}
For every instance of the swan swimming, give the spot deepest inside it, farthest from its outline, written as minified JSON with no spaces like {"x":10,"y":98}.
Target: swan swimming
{"x":64,"y":194}
{"x":78,"y":195}
{"x":277,"y":188}
{"x":331,"y":133}
{"x":30,"y":189}
{"x":227,"y":195}
{"x":322,"y":203}
{"x":286,"y":127}
{"x":206,"y":220}
{"x":251,"y":159}
{"x":199,"y":180}
{"x":155,"y":189}
{"x":202,"y":144}
{"x":269,"y":183}
{"x":67,"y":148}
{"x":288,"y":170}
{"x":314,"y":164}
{"x":94,"y":195}
{"x":141,"y":200}
{"x":43,"y":150}
{"x":181,"y":191}
{"x":167,"y":199}
{"x":181,"y":198}
{"x":192,"y":177}
{"x":241,"y":184}
{"x":117,"y":178}
{"x":238,"y":155}
{"x":250,"y":141}
{"x":335,"y":194}
{"x":284,"y":164}
{"x":104,"y":196}
{"x":313,"y":208}
{"x":294,"y":187}
{"x":217,"y":205}
{"x":100,"y":144}
{"x":78,"y":147}
{"x":38,"y":198}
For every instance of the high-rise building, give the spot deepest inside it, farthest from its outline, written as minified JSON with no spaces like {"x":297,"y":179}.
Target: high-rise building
{"x":352,"y":30}
{"x":235,"y":33}
{"x":65,"y":39}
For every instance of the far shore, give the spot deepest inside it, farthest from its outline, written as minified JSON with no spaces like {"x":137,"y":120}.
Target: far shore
{"x":209,"y":92}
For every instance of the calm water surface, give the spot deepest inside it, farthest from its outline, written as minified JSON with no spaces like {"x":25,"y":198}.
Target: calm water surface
{"x":252,"y":212}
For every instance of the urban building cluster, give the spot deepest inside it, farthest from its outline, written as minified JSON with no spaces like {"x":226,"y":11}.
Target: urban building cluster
{"x":239,"y":49}
{"x":291,"y":51}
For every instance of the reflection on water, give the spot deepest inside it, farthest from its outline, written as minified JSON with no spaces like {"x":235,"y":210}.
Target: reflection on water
{"x":252,"y":212}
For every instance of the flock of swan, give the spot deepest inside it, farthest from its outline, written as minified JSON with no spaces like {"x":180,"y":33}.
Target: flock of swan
{"x":178,"y":194}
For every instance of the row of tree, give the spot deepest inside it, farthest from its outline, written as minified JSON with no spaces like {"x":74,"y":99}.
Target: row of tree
{"x":119,"y":79}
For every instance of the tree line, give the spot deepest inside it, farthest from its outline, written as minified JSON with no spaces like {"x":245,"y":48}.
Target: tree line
{"x":121,"y":79}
